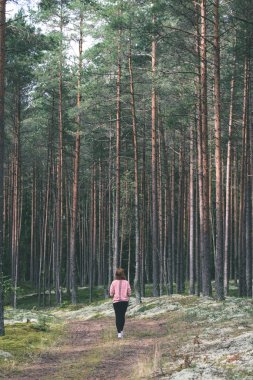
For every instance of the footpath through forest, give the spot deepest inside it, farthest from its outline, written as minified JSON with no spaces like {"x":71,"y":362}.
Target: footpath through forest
{"x":177,"y":338}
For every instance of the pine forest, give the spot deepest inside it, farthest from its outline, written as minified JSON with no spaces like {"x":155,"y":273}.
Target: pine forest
{"x":126,"y":140}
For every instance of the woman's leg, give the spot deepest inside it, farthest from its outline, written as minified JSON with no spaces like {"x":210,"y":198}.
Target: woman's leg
{"x":120,"y":309}
{"x":116,"y":307}
{"x":123,"y":310}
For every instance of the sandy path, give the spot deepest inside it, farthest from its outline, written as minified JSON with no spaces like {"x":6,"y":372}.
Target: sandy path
{"x":92,"y":351}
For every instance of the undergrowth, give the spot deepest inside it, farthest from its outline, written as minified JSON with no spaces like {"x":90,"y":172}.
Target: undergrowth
{"x":24,"y":341}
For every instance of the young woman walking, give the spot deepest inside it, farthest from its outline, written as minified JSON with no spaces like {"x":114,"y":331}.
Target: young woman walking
{"x":120,"y":290}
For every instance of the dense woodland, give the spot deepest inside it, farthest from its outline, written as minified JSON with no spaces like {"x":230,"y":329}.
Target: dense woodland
{"x":133,"y":150}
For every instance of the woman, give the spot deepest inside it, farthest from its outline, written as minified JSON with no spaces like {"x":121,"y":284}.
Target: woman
{"x":120,"y":291}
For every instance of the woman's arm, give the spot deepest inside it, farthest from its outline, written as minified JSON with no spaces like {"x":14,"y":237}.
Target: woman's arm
{"x":112,"y":290}
{"x":128,"y":289}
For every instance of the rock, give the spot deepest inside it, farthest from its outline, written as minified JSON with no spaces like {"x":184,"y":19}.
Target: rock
{"x":206,"y":373}
{"x":6,"y":355}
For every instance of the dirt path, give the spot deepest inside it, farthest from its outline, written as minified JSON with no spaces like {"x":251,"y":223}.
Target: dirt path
{"x":91,"y":351}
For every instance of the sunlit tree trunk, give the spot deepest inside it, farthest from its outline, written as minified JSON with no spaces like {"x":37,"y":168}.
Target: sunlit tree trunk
{"x":205,"y":252}
{"x":198,"y":145}
{"x":219,"y":267}
{"x":228,"y":210}
{"x":242,"y":209}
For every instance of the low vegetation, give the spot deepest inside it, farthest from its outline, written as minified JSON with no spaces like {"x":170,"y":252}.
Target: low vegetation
{"x":184,"y":337}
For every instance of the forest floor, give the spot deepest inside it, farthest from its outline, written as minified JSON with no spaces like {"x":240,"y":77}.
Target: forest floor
{"x":177,"y":338}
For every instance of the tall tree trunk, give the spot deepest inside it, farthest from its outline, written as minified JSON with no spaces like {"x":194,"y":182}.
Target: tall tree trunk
{"x":2,"y":65}
{"x":59,"y":196}
{"x":172,"y":209}
{"x":192,"y":217}
{"x":110,"y":210}
{"x":160,"y":210}
{"x":144,"y":208}
{"x":235,"y":215}
{"x":180,"y":230}
{"x":167,"y":227}
{"x":118,"y":132}
{"x":46,"y":221}
{"x":16,"y":198}
{"x":228,"y":210}
{"x":219,"y":269}
{"x":33,"y":224}
{"x":73,"y":280}
{"x":206,"y":272}
{"x":72,"y":252}
{"x":155,"y":255}
{"x":136,"y":182}
{"x":242,"y":220}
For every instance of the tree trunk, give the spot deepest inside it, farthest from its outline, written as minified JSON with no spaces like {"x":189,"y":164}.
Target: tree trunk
{"x":136,"y":183}
{"x":180,"y":231}
{"x":155,"y":255}
{"x":219,"y":267}
{"x":242,"y":220}
{"x":59,"y":195}
{"x":2,"y":92}
{"x":192,"y":217}
{"x":117,"y":190}
{"x":73,"y":229}
{"x":206,"y":272}
{"x":228,"y":211}
{"x":16,"y":199}
{"x":167,"y":227}
{"x":110,"y":269}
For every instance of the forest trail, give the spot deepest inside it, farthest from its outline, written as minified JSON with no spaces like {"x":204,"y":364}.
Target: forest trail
{"x":176,"y":338}
{"x":91,"y":351}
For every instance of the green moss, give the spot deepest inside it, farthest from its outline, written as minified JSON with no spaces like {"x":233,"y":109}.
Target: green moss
{"x":23,"y":340}
{"x":146,"y":307}
{"x":235,"y":374}
{"x":187,"y":301}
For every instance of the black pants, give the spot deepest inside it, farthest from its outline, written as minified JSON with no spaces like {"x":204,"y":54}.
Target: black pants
{"x":120,"y":309}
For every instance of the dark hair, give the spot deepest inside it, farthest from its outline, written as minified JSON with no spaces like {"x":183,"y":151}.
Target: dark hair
{"x":120,"y":274}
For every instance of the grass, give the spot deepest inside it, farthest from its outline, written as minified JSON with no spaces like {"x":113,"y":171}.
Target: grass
{"x":178,"y":330}
{"x":146,"y":307}
{"x":26,"y":340}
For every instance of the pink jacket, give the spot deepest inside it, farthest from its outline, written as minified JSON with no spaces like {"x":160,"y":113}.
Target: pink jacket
{"x":120,"y":290}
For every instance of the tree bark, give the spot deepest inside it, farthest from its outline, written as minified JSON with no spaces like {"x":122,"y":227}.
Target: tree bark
{"x":192,"y":217}
{"x":219,"y":265}
{"x":118,"y":132}
{"x":228,"y":210}
{"x":59,"y":196}
{"x":155,"y":254}
{"x":136,"y":182}
{"x":2,"y":127}
{"x":206,"y":273}
{"x":73,"y":229}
